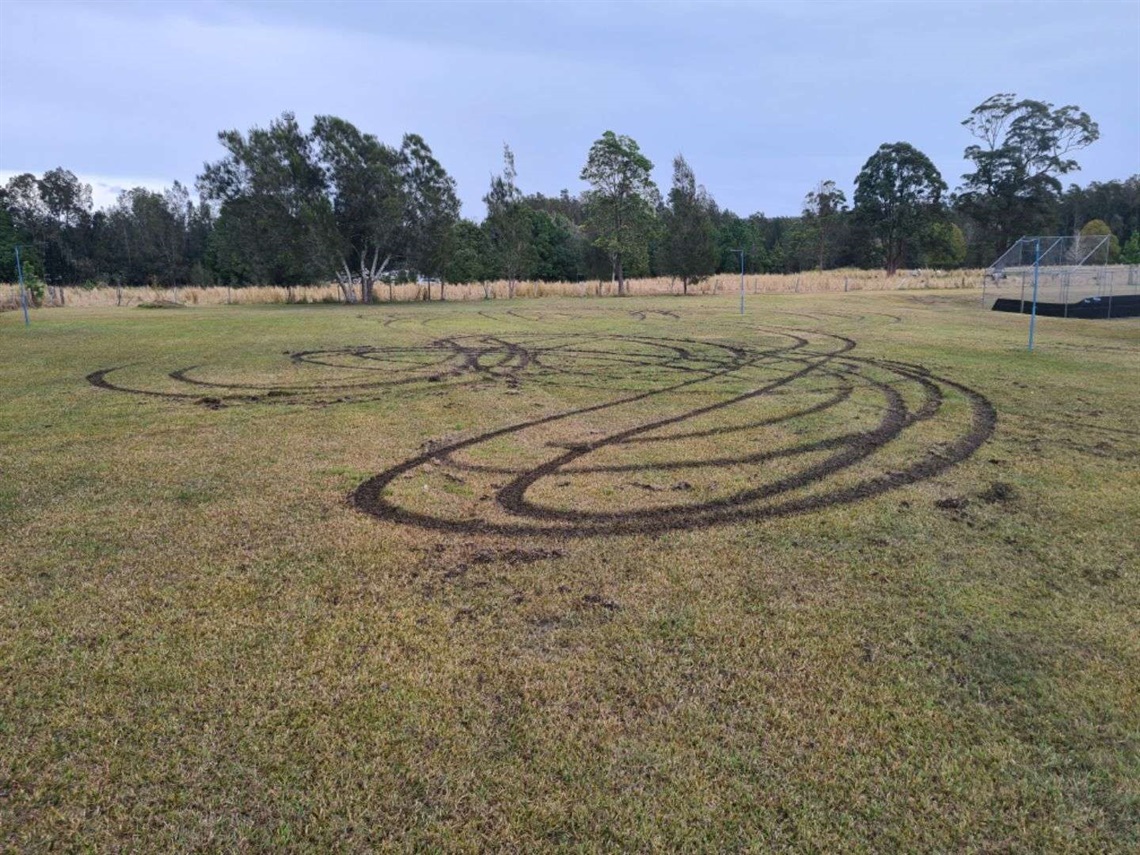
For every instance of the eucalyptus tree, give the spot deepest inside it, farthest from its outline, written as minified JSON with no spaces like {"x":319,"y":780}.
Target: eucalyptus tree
{"x":822,"y":219}
{"x":9,"y":239}
{"x":273,"y":209}
{"x":1116,"y":202}
{"x":27,"y":213}
{"x":431,"y":208}
{"x":1023,"y":149}
{"x":470,"y":257}
{"x":622,"y":200}
{"x":336,"y":201}
{"x":557,"y":249}
{"x":66,"y":199}
{"x":362,"y":227}
{"x":509,"y":223}
{"x":148,"y":234}
{"x":898,"y":195}
{"x":53,"y":213}
{"x":690,"y":238}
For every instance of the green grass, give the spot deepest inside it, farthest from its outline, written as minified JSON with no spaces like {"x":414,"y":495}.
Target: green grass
{"x":204,"y":645}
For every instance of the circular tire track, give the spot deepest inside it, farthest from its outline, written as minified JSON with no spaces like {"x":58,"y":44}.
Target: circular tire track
{"x":796,"y":420}
{"x":687,"y":365}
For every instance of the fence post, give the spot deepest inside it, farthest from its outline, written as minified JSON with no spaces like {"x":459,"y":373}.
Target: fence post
{"x":23,"y":289}
{"x":1036,"y":280}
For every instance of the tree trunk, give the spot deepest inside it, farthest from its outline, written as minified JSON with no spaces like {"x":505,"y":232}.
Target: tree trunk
{"x":620,"y":277}
{"x":893,"y":258}
{"x":369,"y":272}
{"x":344,"y":280}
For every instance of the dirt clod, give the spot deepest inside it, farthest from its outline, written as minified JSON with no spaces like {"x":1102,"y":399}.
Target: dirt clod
{"x":515,"y":555}
{"x":456,"y":571}
{"x":526,"y":556}
{"x":999,"y":492}
{"x":953,"y":503}
{"x":598,"y":600}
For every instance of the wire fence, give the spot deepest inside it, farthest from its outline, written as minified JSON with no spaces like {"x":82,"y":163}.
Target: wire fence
{"x":812,"y":282}
{"x":1067,"y":286}
{"x":1062,"y":276}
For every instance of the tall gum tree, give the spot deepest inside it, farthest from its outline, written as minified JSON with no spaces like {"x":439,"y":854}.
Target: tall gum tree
{"x":508,"y":223}
{"x":1023,"y":149}
{"x":271,"y":190}
{"x":431,"y":209}
{"x":366,"y":198}
{"x":335,"y":201}
{"x":823,"y":209}
{"x":898,"y":194}
{"x":690,"y":238}
{"x":622,"y":199}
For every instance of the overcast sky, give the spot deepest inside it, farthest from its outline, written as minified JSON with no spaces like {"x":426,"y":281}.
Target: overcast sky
{"x":763,"y":99}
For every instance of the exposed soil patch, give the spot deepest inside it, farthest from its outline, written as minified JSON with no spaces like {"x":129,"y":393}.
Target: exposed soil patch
{"x":999,"y":492}
{"x":810,"y":355}
{"x":643,"y":314}
{"x":600,"y":602}
{"x":516,"y":555}
{"x":627,"y":371}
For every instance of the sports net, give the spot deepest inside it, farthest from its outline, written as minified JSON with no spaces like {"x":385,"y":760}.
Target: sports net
{"x":1074,"y":278}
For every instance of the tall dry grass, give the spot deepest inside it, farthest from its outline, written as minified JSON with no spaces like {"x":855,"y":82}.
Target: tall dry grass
{"x":812,"y":282}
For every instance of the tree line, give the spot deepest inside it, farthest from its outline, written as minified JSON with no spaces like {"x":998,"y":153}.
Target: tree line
{"x":287,"y":206}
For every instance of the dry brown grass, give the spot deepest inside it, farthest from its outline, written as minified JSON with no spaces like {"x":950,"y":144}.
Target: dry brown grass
{"x":812,"y":282}
{"x":204,"y":647}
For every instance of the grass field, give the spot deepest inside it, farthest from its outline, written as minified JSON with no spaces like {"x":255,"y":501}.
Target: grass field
{"x":853,"y":572}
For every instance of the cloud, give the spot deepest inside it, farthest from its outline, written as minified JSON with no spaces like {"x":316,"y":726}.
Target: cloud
{"x":751,"y":93}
